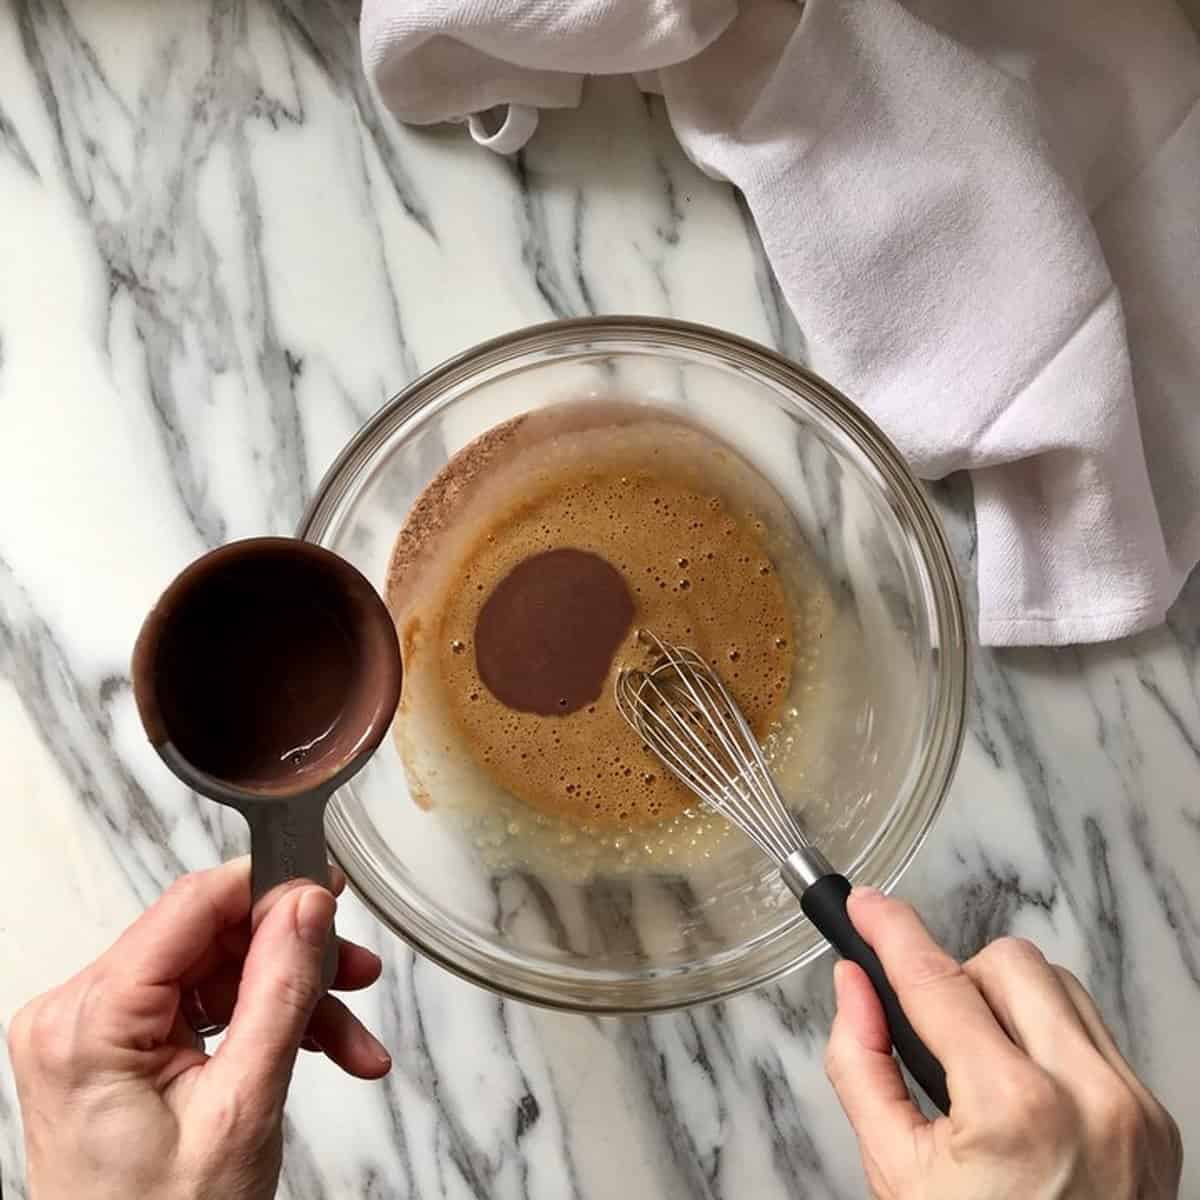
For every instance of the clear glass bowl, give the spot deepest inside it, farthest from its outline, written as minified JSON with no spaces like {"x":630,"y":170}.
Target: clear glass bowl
{"x":890,"y":728}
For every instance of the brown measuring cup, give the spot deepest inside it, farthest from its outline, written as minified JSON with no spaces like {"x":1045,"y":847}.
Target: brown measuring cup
{"x":265,"y":676}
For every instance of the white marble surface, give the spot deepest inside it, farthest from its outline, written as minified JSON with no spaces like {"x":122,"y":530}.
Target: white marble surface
{"x":217,"y":257}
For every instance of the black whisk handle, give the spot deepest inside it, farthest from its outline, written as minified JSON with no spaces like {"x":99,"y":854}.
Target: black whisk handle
{"x":824,"y":903}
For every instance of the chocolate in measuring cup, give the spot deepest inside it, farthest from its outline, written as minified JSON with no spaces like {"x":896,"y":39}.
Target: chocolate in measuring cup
{"x":265,"y":676}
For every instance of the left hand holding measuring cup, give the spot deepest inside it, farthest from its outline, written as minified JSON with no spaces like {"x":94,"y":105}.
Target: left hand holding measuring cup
{"x":265,"y":676}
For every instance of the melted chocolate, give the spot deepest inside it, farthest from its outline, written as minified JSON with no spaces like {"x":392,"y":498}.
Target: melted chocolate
{"x":546,"y":636}
{"x":269,"y":664}
{"x":255,"y":671}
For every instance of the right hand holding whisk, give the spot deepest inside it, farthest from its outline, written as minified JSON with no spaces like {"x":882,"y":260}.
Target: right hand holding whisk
{"x":1043,"y":1103}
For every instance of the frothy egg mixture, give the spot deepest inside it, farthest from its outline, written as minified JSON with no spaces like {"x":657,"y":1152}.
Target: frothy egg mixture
{"x":519,"y":582}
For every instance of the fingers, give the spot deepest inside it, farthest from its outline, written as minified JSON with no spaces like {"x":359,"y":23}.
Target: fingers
{"x":940,"y":999}
{"x":280,"y":986}
{"x":232,"y":944}
{"x":347,"y":1041}
{"x":1049,"y":1013}
{"x":358,"y":968}
{"x":865,"y":1076}
{"x":332,"y":1028}
{"x":1032,"y":1006}
{"x":1165,"y":1159}
{"x":179,"y":929}
{"x":1102,"y":1038}
{"x":200,"y":919}
{"x":1089,"y":1016}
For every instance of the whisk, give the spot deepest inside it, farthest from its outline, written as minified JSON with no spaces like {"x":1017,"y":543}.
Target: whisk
{"x":687,"y":716}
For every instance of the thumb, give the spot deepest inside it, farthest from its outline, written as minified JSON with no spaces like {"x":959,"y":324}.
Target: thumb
{"x":280,"y":986}
{"x":865,"y":1076}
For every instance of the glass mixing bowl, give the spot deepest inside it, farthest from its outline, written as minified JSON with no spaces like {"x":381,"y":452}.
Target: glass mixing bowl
{"x":884,"y":744}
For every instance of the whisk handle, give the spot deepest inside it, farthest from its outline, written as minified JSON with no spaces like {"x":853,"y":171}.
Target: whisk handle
{"x":824,"y":903}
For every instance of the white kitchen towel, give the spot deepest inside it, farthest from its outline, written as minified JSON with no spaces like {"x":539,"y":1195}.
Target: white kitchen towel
{"x":985,"y":217}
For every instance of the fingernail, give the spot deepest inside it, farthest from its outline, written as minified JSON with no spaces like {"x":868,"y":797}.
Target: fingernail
{"x":314,"y":915}
{"x":864,"y":892}
{"x":379,"y":1050}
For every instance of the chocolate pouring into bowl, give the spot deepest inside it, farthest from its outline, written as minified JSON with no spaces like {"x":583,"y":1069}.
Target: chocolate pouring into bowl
{"x":517,"y":831}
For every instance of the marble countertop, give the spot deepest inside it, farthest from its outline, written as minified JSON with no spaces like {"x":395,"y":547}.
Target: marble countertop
{"x":217,"y":258}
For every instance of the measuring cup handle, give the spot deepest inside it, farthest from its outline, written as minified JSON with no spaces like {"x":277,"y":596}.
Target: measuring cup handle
{"x":287,"y":841}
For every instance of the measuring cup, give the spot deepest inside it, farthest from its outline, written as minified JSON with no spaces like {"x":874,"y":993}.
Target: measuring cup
{"x":265,"y":676}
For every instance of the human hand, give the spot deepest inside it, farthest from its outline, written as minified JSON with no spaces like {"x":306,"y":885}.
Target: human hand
{"x":1043,"y":1105}
{"x":119,"y":1098}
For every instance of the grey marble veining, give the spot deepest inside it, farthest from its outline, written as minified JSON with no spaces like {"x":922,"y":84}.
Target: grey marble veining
{"x":218,"y":256}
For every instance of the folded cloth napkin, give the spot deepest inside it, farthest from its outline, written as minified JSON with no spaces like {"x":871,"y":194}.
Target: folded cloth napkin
{"x":986,"y":219}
